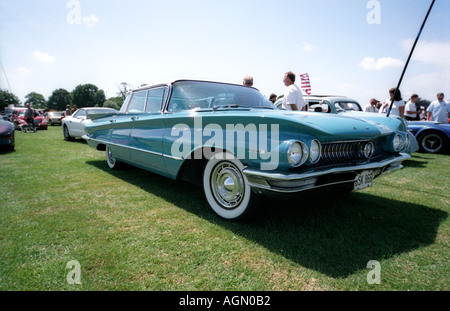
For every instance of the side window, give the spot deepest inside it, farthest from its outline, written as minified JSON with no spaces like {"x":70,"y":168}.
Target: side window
{"x":80,"y":113}
{"x":154,"y":99}
{"x":137,"y":102}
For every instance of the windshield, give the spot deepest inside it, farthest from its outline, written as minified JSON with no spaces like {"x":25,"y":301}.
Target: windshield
{"x":188,"y":95}
{"x":347,"y":106}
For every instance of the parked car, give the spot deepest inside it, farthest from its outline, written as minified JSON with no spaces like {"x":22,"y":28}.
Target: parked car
{"x":73,"y":125}
{"x":341,"y":104}
{"x":236,"y":144}
{"x":6,"y":135}
{"x":433,"y":137}
{"x":53,"y":117}
{"x":327,"y":104}
{"x":39,"y":121}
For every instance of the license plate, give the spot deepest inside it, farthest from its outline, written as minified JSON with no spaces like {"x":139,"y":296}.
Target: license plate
{"x":364,"y":180}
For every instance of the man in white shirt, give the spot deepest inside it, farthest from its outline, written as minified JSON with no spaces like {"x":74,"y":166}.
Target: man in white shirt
{"x":439,"y":110}
{"x":372,"y":106}
{"x":293,"y":98}
{"x":411,"y":112}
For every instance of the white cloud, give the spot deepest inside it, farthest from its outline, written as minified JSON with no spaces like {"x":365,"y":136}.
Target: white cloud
{"x":90,"y":21}
{"x":308,"y":47}
{"x":435,"y":53}
{"x":43,"y":57}
{"x":370,"y":63}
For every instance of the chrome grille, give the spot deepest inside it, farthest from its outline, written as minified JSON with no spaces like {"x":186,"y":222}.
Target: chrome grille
{"x":341,"y":153}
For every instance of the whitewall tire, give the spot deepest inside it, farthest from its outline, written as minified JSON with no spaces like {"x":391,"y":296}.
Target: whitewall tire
{"x":111,"y":160}
{"x":226,"y":187}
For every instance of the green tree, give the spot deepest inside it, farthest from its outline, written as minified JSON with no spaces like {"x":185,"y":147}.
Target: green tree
{"x":114,"y":102}
{"x":87,"y":95}
{"x":124,"y":88}
{"x":59,"y":99}
{"x":7,"y":98}
{"x":36,"y":100}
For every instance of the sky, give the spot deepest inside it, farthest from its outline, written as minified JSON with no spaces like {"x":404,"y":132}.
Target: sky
{"x":353,"y":48}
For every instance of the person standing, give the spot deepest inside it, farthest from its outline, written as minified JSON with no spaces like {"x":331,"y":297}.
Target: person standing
{"x":248,"y":81}
{"x":411,"y":111}
{"x":372,"y":106}
{"x":29,"y":116}
{"x":439,"y":110}
{"x":398,"y":107}
{"x":293,"y":98}
{"x":68,"y":112}
{"x":273,"y":98}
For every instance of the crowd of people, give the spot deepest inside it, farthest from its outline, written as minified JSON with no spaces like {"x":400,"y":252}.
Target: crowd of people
{"x":438,"y":110}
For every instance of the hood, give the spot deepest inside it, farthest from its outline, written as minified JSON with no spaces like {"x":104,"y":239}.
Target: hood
{"x":324,"y":126}
{"x":343,"y":125}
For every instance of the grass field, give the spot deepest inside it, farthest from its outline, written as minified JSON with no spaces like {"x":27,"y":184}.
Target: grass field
{"x":133,"y":230}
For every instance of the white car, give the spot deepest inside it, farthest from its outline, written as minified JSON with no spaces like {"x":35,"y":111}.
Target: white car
{"x":73,"y":126}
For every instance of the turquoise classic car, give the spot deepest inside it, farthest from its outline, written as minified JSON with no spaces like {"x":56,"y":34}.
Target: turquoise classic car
{"x":231,"y":140}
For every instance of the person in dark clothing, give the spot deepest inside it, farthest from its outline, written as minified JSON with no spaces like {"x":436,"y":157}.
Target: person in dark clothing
{"x":29,"y":116}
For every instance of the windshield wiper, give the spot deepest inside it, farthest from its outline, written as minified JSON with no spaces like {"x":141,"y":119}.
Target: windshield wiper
{"x":229,"y":106}
{"x":263,"y":107}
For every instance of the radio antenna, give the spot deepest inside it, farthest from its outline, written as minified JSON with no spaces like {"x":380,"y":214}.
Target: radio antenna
{"x":409,"y":57}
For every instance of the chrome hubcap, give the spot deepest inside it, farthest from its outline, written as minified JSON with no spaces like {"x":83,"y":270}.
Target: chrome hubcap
{"x":111,"y":157}
{"x":432,"y":143}
{"x":227,"y":185}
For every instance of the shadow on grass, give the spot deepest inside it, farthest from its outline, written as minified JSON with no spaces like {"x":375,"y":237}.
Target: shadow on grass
{"x":334,"y":234}
{"x":5,"y":150}
{"x":77,"y":141}
{"x":417,"y":161}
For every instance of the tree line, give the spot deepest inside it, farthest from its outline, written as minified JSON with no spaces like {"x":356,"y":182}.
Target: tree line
{"x":84,"y":95}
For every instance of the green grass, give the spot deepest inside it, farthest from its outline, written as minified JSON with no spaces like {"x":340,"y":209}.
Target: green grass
{"x":133,"y":230}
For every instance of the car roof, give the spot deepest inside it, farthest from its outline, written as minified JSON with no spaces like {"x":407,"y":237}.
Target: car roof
{"x":96,"y":108}
{"x":332,"y":98}
{"x":148,"y":86}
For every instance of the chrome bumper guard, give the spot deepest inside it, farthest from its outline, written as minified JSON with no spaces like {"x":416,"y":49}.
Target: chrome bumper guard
{"x":285,"y":182}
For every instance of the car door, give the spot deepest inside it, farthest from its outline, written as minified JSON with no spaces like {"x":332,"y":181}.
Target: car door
{"x":121,"y":124}
{"x":147,"y":130}
{"x":75,"y":123}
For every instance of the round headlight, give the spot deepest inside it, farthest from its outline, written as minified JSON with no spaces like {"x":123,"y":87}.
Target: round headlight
{"x":314,"y":153}
{"x":297,"y":154}
{"x":398,"y":143}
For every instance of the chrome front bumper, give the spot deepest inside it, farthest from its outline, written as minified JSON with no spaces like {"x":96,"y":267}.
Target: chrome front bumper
{"x":286,"y":182}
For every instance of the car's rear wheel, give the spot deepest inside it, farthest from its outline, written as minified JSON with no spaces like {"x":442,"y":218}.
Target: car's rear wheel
{"x":111,"y":160}
{"x":226,"y":188}
{"x":432,"y":142}
{"x":66,"y":133}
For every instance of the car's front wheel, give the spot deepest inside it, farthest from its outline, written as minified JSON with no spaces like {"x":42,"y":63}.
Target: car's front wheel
{"x":226,"y":188}
{"x":432,"y":142}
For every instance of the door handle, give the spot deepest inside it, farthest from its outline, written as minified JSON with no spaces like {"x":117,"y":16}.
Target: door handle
{"x":134,"y":118}
{"x":113,"y":121}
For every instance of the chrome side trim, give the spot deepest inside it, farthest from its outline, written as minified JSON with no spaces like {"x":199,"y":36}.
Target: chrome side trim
{"x":133,"y":148}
